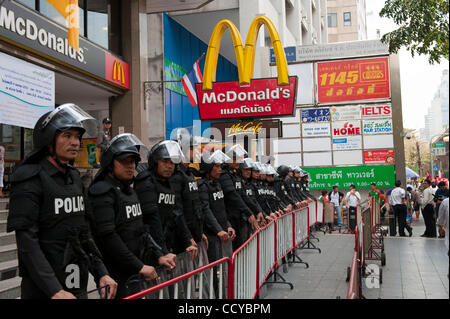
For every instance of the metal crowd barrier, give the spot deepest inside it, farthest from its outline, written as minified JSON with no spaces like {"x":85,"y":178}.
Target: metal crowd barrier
{"x":319,"y":212}
{"x":355,"y":271}
{"x":249,"y":268}
{"x":312,"y":206}
{"x":374,"y":240}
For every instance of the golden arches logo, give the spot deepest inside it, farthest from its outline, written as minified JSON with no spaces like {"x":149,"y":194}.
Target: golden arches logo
{"x":245,"y":56}
{"x":118,"y":73}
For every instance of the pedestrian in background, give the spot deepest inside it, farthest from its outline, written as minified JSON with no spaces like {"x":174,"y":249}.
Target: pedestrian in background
{"x":415,"y":199}
{"x":336,"y":197}
{"x":352,"y":201}
{"x":398,"y":202}
{"x":443,"y":222}
{"x":426,"y":202}
{"x":104,"y":136}
{"x":374,"y":192}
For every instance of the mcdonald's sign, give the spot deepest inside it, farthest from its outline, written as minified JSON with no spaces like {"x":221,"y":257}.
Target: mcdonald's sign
{"x":117,"y":71}
{"x":270,"y":97}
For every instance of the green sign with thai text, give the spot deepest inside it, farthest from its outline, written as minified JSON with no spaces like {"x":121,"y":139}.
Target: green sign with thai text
{"x":343,"y":177}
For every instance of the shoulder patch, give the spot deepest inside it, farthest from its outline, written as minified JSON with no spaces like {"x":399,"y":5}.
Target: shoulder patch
{"x":100,"y":188}
{"x":25,"y":172}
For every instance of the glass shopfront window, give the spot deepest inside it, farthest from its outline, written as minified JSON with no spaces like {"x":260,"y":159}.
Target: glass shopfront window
{"x":29,"y":3}
{"x":97,"y":17}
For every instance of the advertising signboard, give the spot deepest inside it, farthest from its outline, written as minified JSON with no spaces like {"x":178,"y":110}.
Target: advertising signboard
{"x":261,"y":98}
{"x":315,"y":115}
{"x":377,"y":126}
{"x":346,"y":143}
{"x":344,"y":113}
{"x":27,"y":91}
{"x":379,"y":157}
{"x":360,"y":176}
{"x":376,"y":110}
{"x":353,"y":80}
{"x":315,"y":129}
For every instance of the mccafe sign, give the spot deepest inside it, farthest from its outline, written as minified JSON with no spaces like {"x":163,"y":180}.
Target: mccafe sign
{"x":248,"y":128}
{"x":270,"y":97}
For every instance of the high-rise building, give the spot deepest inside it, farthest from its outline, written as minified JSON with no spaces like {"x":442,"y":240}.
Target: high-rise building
{"x":437,"y":116}
{"x":346,"y":20}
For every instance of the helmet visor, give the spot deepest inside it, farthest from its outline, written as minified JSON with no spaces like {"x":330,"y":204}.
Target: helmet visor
{"x":246,"y":163}
{"x":257,"y":167}
{"x":127,"y":143}
{"x":218,"y":157}
{"x":70,"y":115}
{"x":170,"y":149}
{"x":236,"y":152}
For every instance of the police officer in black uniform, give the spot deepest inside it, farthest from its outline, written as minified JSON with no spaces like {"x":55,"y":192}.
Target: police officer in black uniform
{"x":245,"y":172}
{"x":187,"y":195}
{"x":157,"y":196}
{"x":282,"y":190}
{"x":238,"y":212}
{"x":300,"y":187}
{"x":272,"y":197}
{"x":125,"y":243}
{"x":218,"y":228}
{"x":304,"y":184}
{"x":49,"y":212}
{"x":259,"y":190}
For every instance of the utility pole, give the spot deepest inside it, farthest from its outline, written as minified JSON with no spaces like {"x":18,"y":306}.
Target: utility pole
{"x":419,"y":162}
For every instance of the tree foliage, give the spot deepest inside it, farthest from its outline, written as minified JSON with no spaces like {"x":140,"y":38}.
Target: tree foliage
{"x":423,"y":27}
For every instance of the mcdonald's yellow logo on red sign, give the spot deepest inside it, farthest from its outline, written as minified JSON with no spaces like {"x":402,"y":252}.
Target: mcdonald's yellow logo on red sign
{"x":117,"y":71}
{"x":247,"y":98}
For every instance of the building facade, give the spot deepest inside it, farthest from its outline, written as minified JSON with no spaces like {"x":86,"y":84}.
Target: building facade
{"x":346,"y":20}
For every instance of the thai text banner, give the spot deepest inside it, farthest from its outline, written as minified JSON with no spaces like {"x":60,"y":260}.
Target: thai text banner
{"x":353,"y":80}
{"x":360,"y":176}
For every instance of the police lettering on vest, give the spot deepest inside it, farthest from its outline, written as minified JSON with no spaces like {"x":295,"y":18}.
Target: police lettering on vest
{"x":249,"y":192}
{"x":218,"y":195}
{"x":238,"y":185}
{"x":69,"y":204}
{"x":193,"y":186}
{"x":168,"y":199}
{"x":134,"y":210}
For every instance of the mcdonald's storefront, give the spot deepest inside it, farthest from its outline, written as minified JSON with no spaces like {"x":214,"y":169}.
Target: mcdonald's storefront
{"x":39,"y":70}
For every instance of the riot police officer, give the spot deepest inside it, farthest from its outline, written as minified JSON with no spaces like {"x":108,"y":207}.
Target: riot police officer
{"x":282,"y":189}
{"x":157,"y":196}
{"x":272,"y":197}
{"x":258,"y":189}
{"x":304,"y":184}
{"x":49,"y":211}
{"x":299,"y":186}
{"x":187,"y":198}
{"x":118,"y":226}
{"x":238,"y":212}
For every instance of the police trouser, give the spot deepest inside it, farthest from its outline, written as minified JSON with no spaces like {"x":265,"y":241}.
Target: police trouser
{"x":237,"y":224}
{"x":430,"y":221}
{"x":217,"y":250}
{"x":352,"y":210}
{"x":400,"y":212}
{"x":29,"y":290}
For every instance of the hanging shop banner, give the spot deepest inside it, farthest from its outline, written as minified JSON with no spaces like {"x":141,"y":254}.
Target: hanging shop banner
{"x":344,"y":113}
{"x":315,"y":129}
{"x":315,"y":115}
{"x":379,"y":157}
{"x":353,"y":80}
{"x":376,"y":110}
{"x":26,"y":92}
{"x":343,"y":177}
{"x":173,"y":73}
{"x":261,"y":98}
{"x":371,"y":127}
{"x":346,"y":143}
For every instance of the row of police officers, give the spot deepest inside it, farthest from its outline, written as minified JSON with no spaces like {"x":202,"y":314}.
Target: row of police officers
{"x":142,"y":210}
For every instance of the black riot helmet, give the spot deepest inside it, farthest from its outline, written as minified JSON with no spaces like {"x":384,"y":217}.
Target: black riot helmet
{"x":165,"y":150}
{"x":122,"y":146}
{"x":64,"y":117}
{"x":236,"y":152}
{"x":283,"y":170}
{"x":106,"y":120}
{"x":210,"y":159}
{"x":247,"y":163}
{"x":297,"y":169}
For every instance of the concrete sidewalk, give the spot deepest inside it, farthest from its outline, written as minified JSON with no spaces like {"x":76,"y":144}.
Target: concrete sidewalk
{"x":416,"y":268}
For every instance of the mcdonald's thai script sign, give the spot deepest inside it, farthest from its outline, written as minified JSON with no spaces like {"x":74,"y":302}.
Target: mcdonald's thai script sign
{"x":255,"y":98}
{"x":350,"y":80}
{"x":117,"y":71}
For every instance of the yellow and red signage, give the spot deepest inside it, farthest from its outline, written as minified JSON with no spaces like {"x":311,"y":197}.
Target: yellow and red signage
{"x":117,"y":71}
{"x":350,"y":80}
{"x":248,"y":97}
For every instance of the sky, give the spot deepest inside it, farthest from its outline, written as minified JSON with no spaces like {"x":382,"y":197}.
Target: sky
{"x":419,"y":79}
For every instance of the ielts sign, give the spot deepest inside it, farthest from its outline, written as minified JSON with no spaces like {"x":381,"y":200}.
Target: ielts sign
{"x":378,"y":110}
